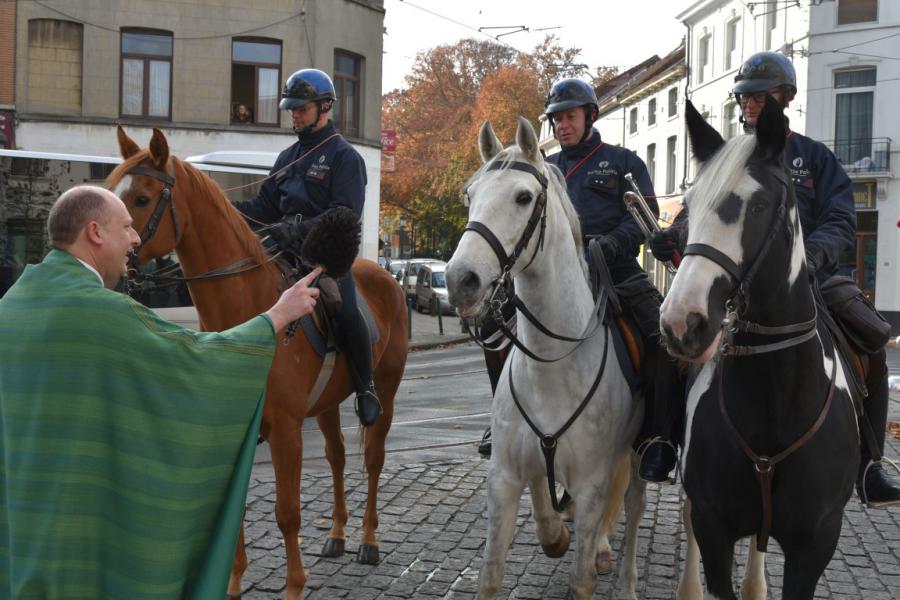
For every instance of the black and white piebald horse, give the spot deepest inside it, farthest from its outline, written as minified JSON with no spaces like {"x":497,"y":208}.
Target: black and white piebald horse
{"x":771,"y":441}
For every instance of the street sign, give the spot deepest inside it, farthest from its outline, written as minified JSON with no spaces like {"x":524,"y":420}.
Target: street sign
{"x":389,"y":141}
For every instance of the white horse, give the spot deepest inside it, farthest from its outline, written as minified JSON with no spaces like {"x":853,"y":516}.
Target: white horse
{"x":522,"y":203}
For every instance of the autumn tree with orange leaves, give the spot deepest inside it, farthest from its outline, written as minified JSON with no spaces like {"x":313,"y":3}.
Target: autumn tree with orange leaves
{"x":450,"y":92}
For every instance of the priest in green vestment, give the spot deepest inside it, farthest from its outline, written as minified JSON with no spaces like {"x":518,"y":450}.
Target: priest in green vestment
{"x":126,"y":442}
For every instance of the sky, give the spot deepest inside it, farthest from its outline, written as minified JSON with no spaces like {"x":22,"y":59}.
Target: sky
{"x":618,"y":33}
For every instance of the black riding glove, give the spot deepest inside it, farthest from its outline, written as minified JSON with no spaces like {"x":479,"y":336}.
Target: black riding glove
{"x":610,"y":248}
{"x":285,"y":234}
{"x":813,"y":262}
{"x":665,"y":242}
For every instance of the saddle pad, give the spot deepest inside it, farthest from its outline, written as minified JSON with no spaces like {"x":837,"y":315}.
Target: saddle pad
{"x":628,"y":351}
{"x":318,"y":341}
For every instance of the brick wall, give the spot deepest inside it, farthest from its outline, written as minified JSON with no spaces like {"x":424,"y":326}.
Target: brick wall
{"x":7,"y":51}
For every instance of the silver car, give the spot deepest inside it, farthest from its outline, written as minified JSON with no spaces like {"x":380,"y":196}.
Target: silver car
{"x":431,"y":289}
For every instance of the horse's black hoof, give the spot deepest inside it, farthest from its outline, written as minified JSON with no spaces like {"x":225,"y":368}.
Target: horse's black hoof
{"x":368,"y":554}
{"x":334,"y":548}
{"x":230,"y":597}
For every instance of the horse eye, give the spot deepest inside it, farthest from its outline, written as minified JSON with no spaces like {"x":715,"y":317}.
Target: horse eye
{"x":142,"y":201}
{"x":757,"y":208}
{"x":466,"y":200}
{"x":523,"y":198}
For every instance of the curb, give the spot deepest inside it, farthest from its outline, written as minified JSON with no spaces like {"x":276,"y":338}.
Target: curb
{"x":429,"y":345}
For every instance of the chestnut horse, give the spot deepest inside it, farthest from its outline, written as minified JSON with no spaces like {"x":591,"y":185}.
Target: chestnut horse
{"x":208,"y":233}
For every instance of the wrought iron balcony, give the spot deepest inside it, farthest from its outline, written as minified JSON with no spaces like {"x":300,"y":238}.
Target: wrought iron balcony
{"x":862,"y":156}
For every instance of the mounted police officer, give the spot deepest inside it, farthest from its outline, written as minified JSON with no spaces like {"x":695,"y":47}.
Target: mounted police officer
{"x":325,"y":172}
{"x":828,"y":219}
{"x":595,"y":177}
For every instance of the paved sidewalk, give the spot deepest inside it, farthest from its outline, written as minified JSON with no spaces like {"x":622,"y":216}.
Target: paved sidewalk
{"x":426,"y":331}
{"x":433,"y":523}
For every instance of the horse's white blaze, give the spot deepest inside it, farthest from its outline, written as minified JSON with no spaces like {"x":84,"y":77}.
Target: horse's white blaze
{"x":124,"y":186}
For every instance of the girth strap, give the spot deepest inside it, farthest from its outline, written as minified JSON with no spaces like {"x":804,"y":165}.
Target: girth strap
{"x":550,"y":441}
{"x":764,"y":466}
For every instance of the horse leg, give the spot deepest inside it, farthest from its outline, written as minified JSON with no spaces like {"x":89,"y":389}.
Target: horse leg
{"x":287,"y":453}
{"x":374,"y":439}
{"x":635,"y":503}
{"x":617,"y":489}
{"x":503,"y":494}
{"x":329,"y":423}
{"x":238,"y":567}
{"x":591,"y":500}
{"x":806,"y":556}
{"x":690,"y":587}
{"x":551,"y":531}
{"x":753,"y":585}
{"x":717,"y":552}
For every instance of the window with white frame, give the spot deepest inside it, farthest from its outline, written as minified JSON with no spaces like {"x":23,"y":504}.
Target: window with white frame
{"x":673,"y":102}
{"x":671,"y":159}
{"x":731,"y":124}
{"x":146,"y":82}
{"x":651,"y":162}
{"x":856,"y":11}
{"x":255,"y":78}
{"x":348,"y":85}
{"x":704,"y":59}
{"x":853,"y":114}
{"x":632,"y":120}
{"x":731,"y":45}
{"x":651,"y":112}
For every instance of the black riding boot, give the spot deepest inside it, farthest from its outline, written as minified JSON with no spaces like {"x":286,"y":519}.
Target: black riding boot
{"x":664,"y":405}
{"x":878,"y":483}
{"x":352,"y":337}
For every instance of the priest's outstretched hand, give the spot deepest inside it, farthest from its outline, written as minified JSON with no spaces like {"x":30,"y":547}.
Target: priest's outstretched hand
{"x":296,"y":301}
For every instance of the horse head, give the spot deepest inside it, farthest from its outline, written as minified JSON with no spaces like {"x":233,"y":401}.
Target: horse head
{"x":741,"y":237}
{"x":145,"y":181}
{"x":510,"y":199}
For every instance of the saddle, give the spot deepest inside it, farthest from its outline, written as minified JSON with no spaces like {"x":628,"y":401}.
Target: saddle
{"x":626,"y":336}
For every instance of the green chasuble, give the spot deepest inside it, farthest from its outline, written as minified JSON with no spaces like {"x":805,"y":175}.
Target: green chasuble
{"x":127,"y":442}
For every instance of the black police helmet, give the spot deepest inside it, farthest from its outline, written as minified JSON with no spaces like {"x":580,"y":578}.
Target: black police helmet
{"x":570,"y":93}
{"x":765,"y":71}
{"x":306,"y":85}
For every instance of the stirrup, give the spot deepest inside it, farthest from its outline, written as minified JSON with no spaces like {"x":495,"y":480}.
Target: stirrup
{"x":361,"y":397}
{"x":861,"y":488}
{"x":645,"y":445}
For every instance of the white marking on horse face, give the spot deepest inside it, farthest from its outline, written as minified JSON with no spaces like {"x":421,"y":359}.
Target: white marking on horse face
{"x":798,"y":253}
{"x":124,"y":186}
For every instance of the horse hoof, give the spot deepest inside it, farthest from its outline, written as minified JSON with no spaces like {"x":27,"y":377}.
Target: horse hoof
{"x":604,"y":562}
{"x":334,"y":547}
{"x":230,"y":597}
{"x":559,"y":547}
{"x":368,"y":554}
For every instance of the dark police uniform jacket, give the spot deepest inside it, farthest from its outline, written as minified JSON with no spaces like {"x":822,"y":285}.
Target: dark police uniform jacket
{"x":333,"y":174}
{"x":596,"y":188}
{"x":824,"y":199}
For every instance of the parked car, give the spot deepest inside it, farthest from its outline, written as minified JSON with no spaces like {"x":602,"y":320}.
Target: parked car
{"x":431,"y":289}
{"x":397,"y":269}
{"x":410,"y":271}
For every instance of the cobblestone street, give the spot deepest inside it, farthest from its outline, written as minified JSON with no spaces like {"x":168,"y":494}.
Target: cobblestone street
{"x":433,"y":523}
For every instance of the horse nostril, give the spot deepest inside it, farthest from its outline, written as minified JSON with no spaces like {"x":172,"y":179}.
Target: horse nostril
{"x":694,"y":322}
{"x":470,"y":282}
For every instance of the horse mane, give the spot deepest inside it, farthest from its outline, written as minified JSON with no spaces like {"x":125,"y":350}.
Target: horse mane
{"x":720,"y":174}
{"x":197,"y":183}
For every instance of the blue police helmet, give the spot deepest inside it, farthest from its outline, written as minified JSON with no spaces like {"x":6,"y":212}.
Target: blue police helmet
{"x":765,"y":71}
{"x":306,"y":85}
{"x":569,"y":93}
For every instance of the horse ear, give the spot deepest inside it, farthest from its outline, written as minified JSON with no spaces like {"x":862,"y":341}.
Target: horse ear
{"x":159,"y":149}
{"x":127,"y":147}
{"x":705,"y":140}
{"x":488,"y":143}
{"x":527,"y":140}
{"x":771,"y":131}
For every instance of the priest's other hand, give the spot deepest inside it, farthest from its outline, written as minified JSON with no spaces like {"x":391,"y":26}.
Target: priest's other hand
{"x":296,"y":301}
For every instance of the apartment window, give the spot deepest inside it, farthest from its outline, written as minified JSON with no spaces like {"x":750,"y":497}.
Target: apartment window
{"x":671,"y":145}
{"x":632,"y":120}
{"x":731,"y":34}
{"x":146,"y":74}
{"x":651,"y":112}
{"x":348,"y":85}
{"x":732,"y":125}
{"x":854,"y":102}
{"x":54,"y":66}
{"x":857,"y":11}
{"x":255,"y":79}
{"x":705,"y":60}
{"x":673,"y":102}
{"x":771,"y":24}
{"x":651,"y":162}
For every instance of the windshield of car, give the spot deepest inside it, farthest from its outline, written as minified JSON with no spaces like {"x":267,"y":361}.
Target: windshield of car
{"x":437,"y":280}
